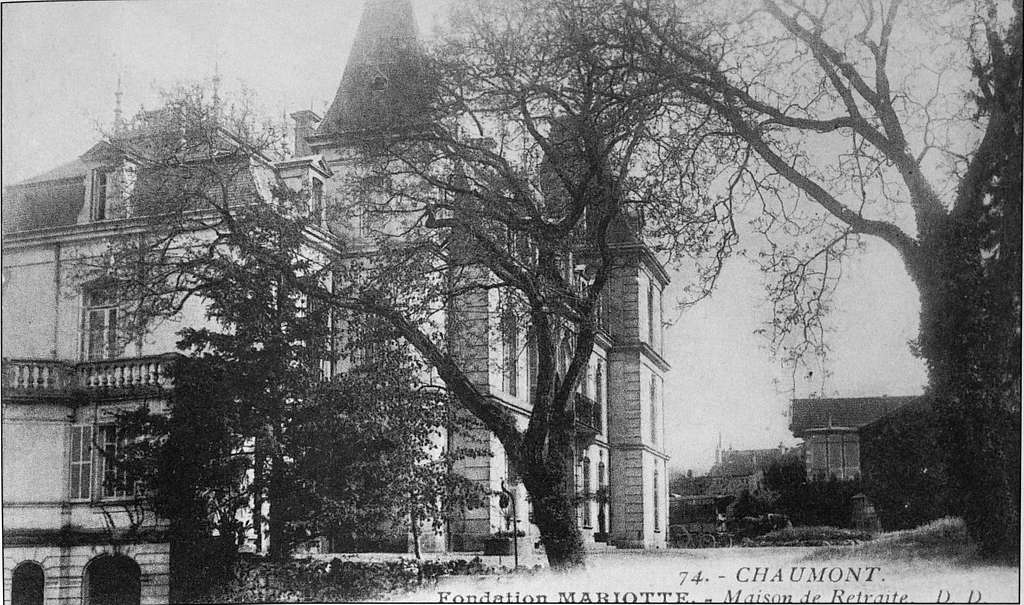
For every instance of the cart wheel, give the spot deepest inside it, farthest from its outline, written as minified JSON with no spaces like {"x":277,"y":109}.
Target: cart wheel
{"x":707,"y":541}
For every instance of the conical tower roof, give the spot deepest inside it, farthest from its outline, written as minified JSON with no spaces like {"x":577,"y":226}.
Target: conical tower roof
{"x":385,"y":83}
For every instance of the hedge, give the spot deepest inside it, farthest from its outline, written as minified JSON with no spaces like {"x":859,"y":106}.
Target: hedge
{"x":338,"y":580}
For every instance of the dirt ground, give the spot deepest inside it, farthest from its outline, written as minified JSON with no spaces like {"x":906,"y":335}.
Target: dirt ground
{"x":738,"y":575}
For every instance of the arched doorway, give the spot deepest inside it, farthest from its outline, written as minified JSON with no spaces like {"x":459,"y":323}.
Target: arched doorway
{"x":111,"y":580}
{"x":27,"y":584}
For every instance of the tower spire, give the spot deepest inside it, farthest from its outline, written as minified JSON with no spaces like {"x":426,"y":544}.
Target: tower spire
{"x":118,"y":114}
{"x":384,"y":85}
{"x":216,"y":88}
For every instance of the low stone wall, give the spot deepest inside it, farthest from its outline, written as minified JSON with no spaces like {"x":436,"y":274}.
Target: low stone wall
{"x":336,"y":580}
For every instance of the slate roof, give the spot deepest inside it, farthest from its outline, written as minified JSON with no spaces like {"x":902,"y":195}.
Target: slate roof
{"x":55,"y":198}
{"x":74,"y":168}
{"x":849,"y":412}
{"x":385,"y":83}
{"x":51,"y":199}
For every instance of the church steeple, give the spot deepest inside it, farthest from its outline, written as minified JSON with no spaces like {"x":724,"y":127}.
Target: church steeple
{"x":384,"y":85}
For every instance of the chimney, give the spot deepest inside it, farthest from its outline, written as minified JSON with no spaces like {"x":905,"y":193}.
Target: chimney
{"x":305,"y":124}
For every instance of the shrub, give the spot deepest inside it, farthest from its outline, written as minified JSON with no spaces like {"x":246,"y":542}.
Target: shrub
{"x":337,"y":580}
{"x":812,"y":536}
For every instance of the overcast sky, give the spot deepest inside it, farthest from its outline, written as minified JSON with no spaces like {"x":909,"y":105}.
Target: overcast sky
{"x":61,"y":63}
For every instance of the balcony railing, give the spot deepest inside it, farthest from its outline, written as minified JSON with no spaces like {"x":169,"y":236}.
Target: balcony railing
{"x":589,"y":416}
{"x":36,"y":375}
{"x":49,"y":378}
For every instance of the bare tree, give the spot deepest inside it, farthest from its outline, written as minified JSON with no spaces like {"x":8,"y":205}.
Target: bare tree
{"x":538,"y":168}
{"x":895,"y":120}
{"x":542,"y":171}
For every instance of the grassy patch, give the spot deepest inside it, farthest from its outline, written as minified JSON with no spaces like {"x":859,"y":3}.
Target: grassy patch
{"x":945,"y":538}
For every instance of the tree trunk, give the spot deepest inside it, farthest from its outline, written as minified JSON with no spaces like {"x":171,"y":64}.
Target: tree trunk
{"x":280,"y":545}
{"x":259,"y":464}
{"x":414,"y":527}
{"x":550,"y":482}
{"x":555,"y":516}
{"x":970,"y":337}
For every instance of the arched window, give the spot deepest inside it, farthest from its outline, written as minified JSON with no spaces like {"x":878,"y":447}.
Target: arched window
{"x":27,"y":584}
{"x":112,"y":580}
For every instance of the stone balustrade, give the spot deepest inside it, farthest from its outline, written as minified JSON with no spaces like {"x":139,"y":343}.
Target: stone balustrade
{"x":35,"y":377}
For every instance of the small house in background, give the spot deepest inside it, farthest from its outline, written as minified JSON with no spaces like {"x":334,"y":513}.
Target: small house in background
{"x":738,"y":470}
{"x":833,"y":431}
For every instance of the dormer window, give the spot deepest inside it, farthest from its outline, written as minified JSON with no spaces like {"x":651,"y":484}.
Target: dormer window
{"x":101,"y":183}
{"x":316,"y":201}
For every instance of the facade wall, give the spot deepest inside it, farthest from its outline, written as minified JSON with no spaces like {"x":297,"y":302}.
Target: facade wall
{"x":64,"y":568}
{"x":43,"y":314}
{"x":636,"y":415}
{"x":42,"y":301}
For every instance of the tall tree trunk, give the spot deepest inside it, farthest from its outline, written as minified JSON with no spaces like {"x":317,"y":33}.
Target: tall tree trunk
{"x":970,"y":337}
{"x":414,"y":527}
{"x":280,"y":545}
{"x":259,"y":468}
{"x":551,"y":485}
{"x":554,"y":513}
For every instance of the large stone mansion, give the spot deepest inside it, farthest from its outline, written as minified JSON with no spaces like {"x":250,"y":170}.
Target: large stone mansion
{"x":70,"y":538}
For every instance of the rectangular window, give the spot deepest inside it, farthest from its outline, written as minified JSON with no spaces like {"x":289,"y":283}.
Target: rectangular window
{"x":654,"y":409}
{"x":100,"y":325}
{"x":81,"y":462}
{"x":650,"y":313}
{"x":657,"y":503}
{"x":835,"y":456}
{"x":851,"y":453}
{"x":510,"y":472}
{"x":531,"y":364}
{"x":510,"y":355}
{"x":588,"y":520}
{"x":599,"y":393}
{"x":100,"y":187}
{"x":112,"y":479}
{"x":660,"y":332}
{"x":316,"y":201}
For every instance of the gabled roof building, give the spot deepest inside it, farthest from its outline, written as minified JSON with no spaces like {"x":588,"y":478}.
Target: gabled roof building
{"x":832,"y":429}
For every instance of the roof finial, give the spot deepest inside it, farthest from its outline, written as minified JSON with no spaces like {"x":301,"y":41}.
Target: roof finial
{"x":118,"y":114}
{"x":216,"y":87}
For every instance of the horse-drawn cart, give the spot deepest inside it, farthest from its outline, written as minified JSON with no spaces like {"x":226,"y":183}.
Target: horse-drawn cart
{"x":699,"y":522}
{"x":704,"y":522}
